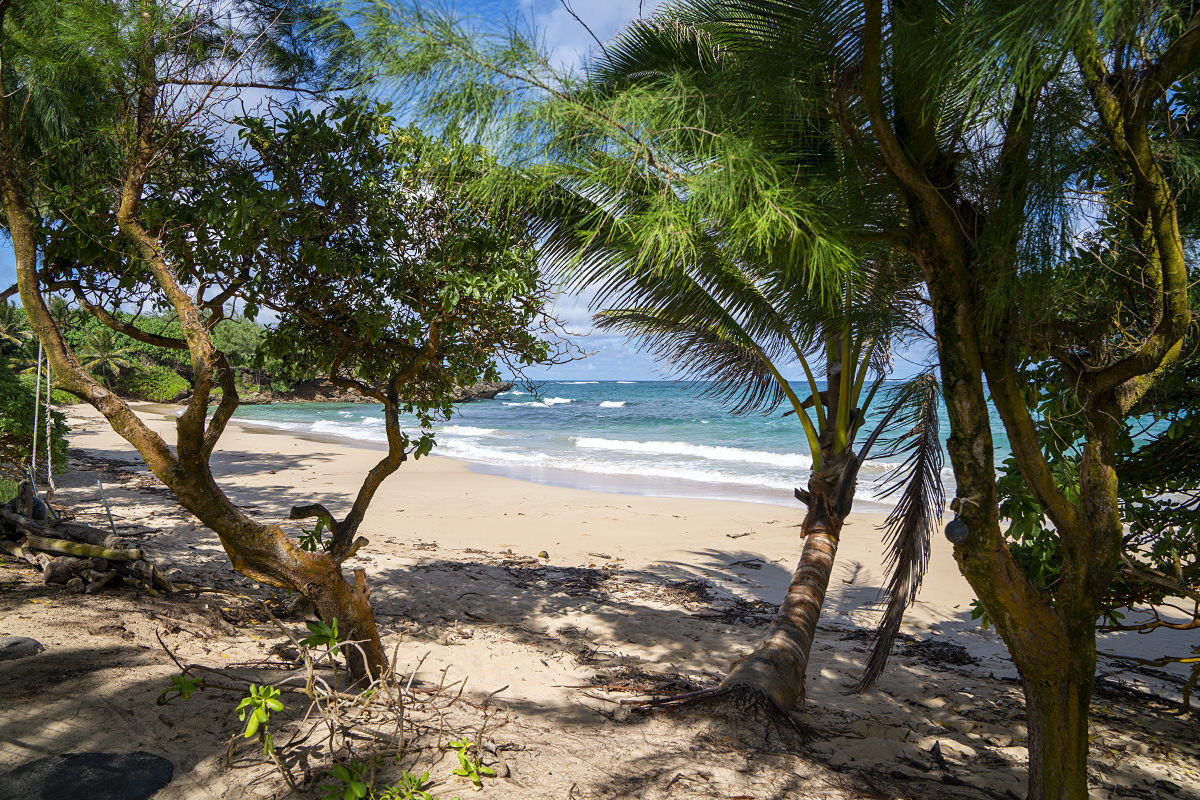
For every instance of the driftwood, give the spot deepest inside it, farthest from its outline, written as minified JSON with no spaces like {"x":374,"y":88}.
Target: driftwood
{"x":66,"y":548}
{"x":76,"y":556}
{"x":14,"y":525}
{"x":86,"y":534}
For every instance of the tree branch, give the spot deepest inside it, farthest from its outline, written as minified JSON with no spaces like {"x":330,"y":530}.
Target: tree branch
{"x":1159,"y":76}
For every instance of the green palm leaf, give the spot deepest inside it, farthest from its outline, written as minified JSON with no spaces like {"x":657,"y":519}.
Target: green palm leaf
{"x":908,"y":528}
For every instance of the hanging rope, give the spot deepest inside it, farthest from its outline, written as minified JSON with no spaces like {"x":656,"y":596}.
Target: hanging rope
{"x":37,"y":396}
{"x":49,"y":441}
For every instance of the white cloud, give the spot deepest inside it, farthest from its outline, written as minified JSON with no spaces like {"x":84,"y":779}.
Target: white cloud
{"x":569,"y":41}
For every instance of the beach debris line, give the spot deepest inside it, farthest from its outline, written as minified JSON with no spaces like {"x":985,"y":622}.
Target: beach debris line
{"x":80,"y":557}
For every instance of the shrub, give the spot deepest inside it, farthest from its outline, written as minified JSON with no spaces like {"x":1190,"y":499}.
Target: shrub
{"x":153,"y":382}
{"x":16,"y":427}
{"x":57,"y":396}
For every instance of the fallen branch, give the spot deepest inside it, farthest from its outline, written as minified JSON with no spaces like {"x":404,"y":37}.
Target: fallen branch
{"x":63,"y":547}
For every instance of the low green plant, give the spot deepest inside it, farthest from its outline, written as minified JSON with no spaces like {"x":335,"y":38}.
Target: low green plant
{"x":321,"y":634}
{"x":312,"y":539}
{"x":470,"y":766}
{"x":409,"y":787}
{"x":8,"y":490}
{"x":255,"y":710}
{"x":354,"y":781}
{"x":182,"y":685}
{"x":351,"y":782}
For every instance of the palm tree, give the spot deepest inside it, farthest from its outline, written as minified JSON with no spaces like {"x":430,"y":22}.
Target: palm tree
{"x":737,"y":328}
{"x":13,"y":327}
{"x":728,"y":280}
{"x":103,"y":355}
{"x":752,"y":281}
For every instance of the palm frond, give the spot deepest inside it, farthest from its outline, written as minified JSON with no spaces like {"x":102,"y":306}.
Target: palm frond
{"x":703,"y":349}
{"x":914,"y":414}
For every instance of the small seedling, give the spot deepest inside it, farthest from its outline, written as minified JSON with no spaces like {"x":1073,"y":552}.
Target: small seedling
{"x":469,"y":767}
{"x":313,"y":539}
{"x":183,"y":685}
{"x":409,"y":787}
{"x":321,"y":634}
{"x":255,"y":711}
{"x":351,"y":782}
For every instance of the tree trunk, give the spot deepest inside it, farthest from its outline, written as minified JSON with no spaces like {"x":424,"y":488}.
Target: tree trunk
{"x":1057,"y":695}
{"x":266,"y":554}
{"x":1056,"y":711}
{"x":777,"y":665}
{"x":260,"y":552}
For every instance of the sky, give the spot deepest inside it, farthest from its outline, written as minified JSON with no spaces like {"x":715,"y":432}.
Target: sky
{"x":610,"y":357}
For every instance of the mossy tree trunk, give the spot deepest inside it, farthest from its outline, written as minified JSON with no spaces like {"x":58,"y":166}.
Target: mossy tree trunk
{"x":1052,"y":640}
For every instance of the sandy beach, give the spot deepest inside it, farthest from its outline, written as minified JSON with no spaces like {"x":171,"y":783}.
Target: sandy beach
{"x":634,"y":589}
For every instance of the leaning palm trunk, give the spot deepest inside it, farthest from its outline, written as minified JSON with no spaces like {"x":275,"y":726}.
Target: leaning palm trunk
{"x":777,"y":666}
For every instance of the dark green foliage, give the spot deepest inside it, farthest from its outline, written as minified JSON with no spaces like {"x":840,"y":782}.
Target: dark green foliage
{"x":153,"y":382}
{"x":16,"y":428}
{"x":1159,"y":471}
{"x":382,"y":267}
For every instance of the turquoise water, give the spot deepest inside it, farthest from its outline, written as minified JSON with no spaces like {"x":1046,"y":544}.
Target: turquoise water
{"x":640,"y":437}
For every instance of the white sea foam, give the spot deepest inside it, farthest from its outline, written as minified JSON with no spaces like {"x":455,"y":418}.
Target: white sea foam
{"x":626,"y":381}
{"x":371,"y":430}
{"x":512,"y":393}
{"x":578,"y":383}
{"x":613,"y":404}
{"x":708,"y":452}
{"x":548,"y":401}
{"x":466,"y":430}
{"x":724,"y":466}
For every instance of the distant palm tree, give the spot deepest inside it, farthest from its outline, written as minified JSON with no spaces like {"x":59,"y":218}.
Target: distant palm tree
{"x":13,"y":327}
{"x":103,"y":354}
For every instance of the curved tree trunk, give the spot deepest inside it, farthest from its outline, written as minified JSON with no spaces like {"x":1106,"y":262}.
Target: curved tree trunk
{"x":261,"y":552}
{"x":268,"y":555}
{"x":777,"y":665}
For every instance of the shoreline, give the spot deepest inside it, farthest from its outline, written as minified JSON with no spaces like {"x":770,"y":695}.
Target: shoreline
{"x":564,"y":477}
{"x":447,"y":503}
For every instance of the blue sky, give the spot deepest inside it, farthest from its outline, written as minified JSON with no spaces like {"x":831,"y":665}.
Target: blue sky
{"x":612,"y":358}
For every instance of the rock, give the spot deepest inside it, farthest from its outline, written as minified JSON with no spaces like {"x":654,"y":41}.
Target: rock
{"x":322,"y":390}
{"x":61,"y":569}
{"x":483,"y":390}
{"x":543,"y":554}
{"x":13,"y":647}
{"x":96,"y":776}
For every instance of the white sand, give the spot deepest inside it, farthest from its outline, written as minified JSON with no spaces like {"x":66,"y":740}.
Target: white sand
{"x":455,"y":578}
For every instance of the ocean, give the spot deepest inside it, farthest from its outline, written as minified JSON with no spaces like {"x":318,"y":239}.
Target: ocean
{"x":636,"y":437}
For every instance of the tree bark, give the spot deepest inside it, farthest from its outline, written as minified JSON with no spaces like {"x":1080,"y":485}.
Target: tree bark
{"x":1056,"y":711}
{"x":777,"y":665}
